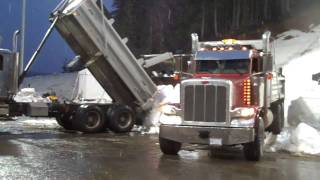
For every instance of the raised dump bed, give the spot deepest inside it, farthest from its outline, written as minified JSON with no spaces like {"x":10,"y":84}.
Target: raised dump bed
{"x":83,"y":24}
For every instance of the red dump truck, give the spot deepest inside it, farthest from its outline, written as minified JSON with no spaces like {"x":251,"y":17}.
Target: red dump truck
{"x":233,"y":94}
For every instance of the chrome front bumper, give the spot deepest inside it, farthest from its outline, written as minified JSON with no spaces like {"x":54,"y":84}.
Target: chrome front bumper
{"x":207,"y":135}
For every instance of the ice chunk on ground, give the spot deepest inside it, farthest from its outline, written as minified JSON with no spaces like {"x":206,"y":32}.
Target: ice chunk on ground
{"x":300,"y":140}
{"x":42,"y":122}
{"x":307,"y":139}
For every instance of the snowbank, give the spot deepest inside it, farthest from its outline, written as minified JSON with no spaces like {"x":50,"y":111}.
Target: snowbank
{"x":294,"y":43}
{"x":298,"y":53}
{"x":169,"y":95}
{"x":302,"y":101}
{"x":300,"y":140}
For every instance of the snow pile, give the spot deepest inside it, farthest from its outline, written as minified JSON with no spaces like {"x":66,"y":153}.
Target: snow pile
{"x":163,"y":111}
{"x":300,"y":140}
{"x":29,"y":95}
{"x":294,"y":43}
{"x":302,"y":93}
{"x":298,"y":53}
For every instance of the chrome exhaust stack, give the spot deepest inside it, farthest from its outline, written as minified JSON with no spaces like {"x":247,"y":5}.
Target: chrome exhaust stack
{"x":17,"y":69}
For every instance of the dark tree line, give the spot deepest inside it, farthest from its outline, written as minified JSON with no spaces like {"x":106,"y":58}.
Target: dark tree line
{"x":155,"y":26}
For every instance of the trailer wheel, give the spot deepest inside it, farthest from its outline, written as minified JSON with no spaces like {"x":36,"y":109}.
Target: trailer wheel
{"x":90,"y":119}
{"x":169,"y":147}
{"x":278,"y":120}
{"x":253,"y":151}
{"x":121,"y":119}
{"x":65,"y":121}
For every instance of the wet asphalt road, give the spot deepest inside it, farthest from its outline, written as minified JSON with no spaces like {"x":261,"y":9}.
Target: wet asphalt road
{"x":37,"y":151}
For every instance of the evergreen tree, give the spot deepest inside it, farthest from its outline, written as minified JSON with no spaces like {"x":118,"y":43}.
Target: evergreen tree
{"x":155,"y":26}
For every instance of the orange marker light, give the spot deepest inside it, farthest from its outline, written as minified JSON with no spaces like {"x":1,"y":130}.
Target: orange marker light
{"x":247,"y":92}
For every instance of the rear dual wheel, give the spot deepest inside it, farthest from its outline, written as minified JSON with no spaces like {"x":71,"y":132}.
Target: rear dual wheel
{"x":65,"y":121}
{"x":90,"y":119}
{"x":121,"y":118}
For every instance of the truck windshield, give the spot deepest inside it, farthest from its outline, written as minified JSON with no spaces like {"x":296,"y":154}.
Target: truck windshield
{"x":223,"y":66}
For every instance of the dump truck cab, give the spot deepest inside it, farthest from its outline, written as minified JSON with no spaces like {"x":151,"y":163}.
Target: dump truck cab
{"x":229,"y":98}
{"x":7,"y":74}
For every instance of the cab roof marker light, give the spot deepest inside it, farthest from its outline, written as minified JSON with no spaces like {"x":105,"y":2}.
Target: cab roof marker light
{"x":230,"y":41}
{"x":244,"y":48}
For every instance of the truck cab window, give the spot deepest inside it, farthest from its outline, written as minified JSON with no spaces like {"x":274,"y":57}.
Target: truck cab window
{"x":1,"y":63}
{"x":256,"y":65}
{"x":207,"y":66}
{"x":223,"y":66}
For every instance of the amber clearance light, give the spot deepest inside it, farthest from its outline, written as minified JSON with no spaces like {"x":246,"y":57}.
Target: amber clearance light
{"x":247,"y":92}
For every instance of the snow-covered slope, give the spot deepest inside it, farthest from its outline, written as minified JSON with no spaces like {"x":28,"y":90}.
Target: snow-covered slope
{"x":300,"y":59}
{"x":294,"y":44}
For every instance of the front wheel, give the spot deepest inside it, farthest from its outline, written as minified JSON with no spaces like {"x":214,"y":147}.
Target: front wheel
{"x":169,"y":147}
{"x":253,"y":151}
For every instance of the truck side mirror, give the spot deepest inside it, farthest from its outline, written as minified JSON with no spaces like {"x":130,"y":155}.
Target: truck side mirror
{"x":280,"y":70}
{"x":267,"y":63}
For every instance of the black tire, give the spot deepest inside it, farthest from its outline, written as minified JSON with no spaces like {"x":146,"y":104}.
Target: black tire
{"x":89,"y":120}
{"x":278,"y":118}
{"x":121,"y":119}
{"x":65,"y":121}
{"x":253,"y":151}
{"x":169,"y":147}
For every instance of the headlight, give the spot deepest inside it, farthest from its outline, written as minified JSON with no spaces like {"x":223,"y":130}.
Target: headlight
{"x":243,"y":122}
{"x":243,"y":113}
{"x":169,"y":110}
{"x":170,"y":115}
{"x":174,"y":120}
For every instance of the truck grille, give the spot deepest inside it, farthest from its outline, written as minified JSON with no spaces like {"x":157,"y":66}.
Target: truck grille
{"x":206,"y":103}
